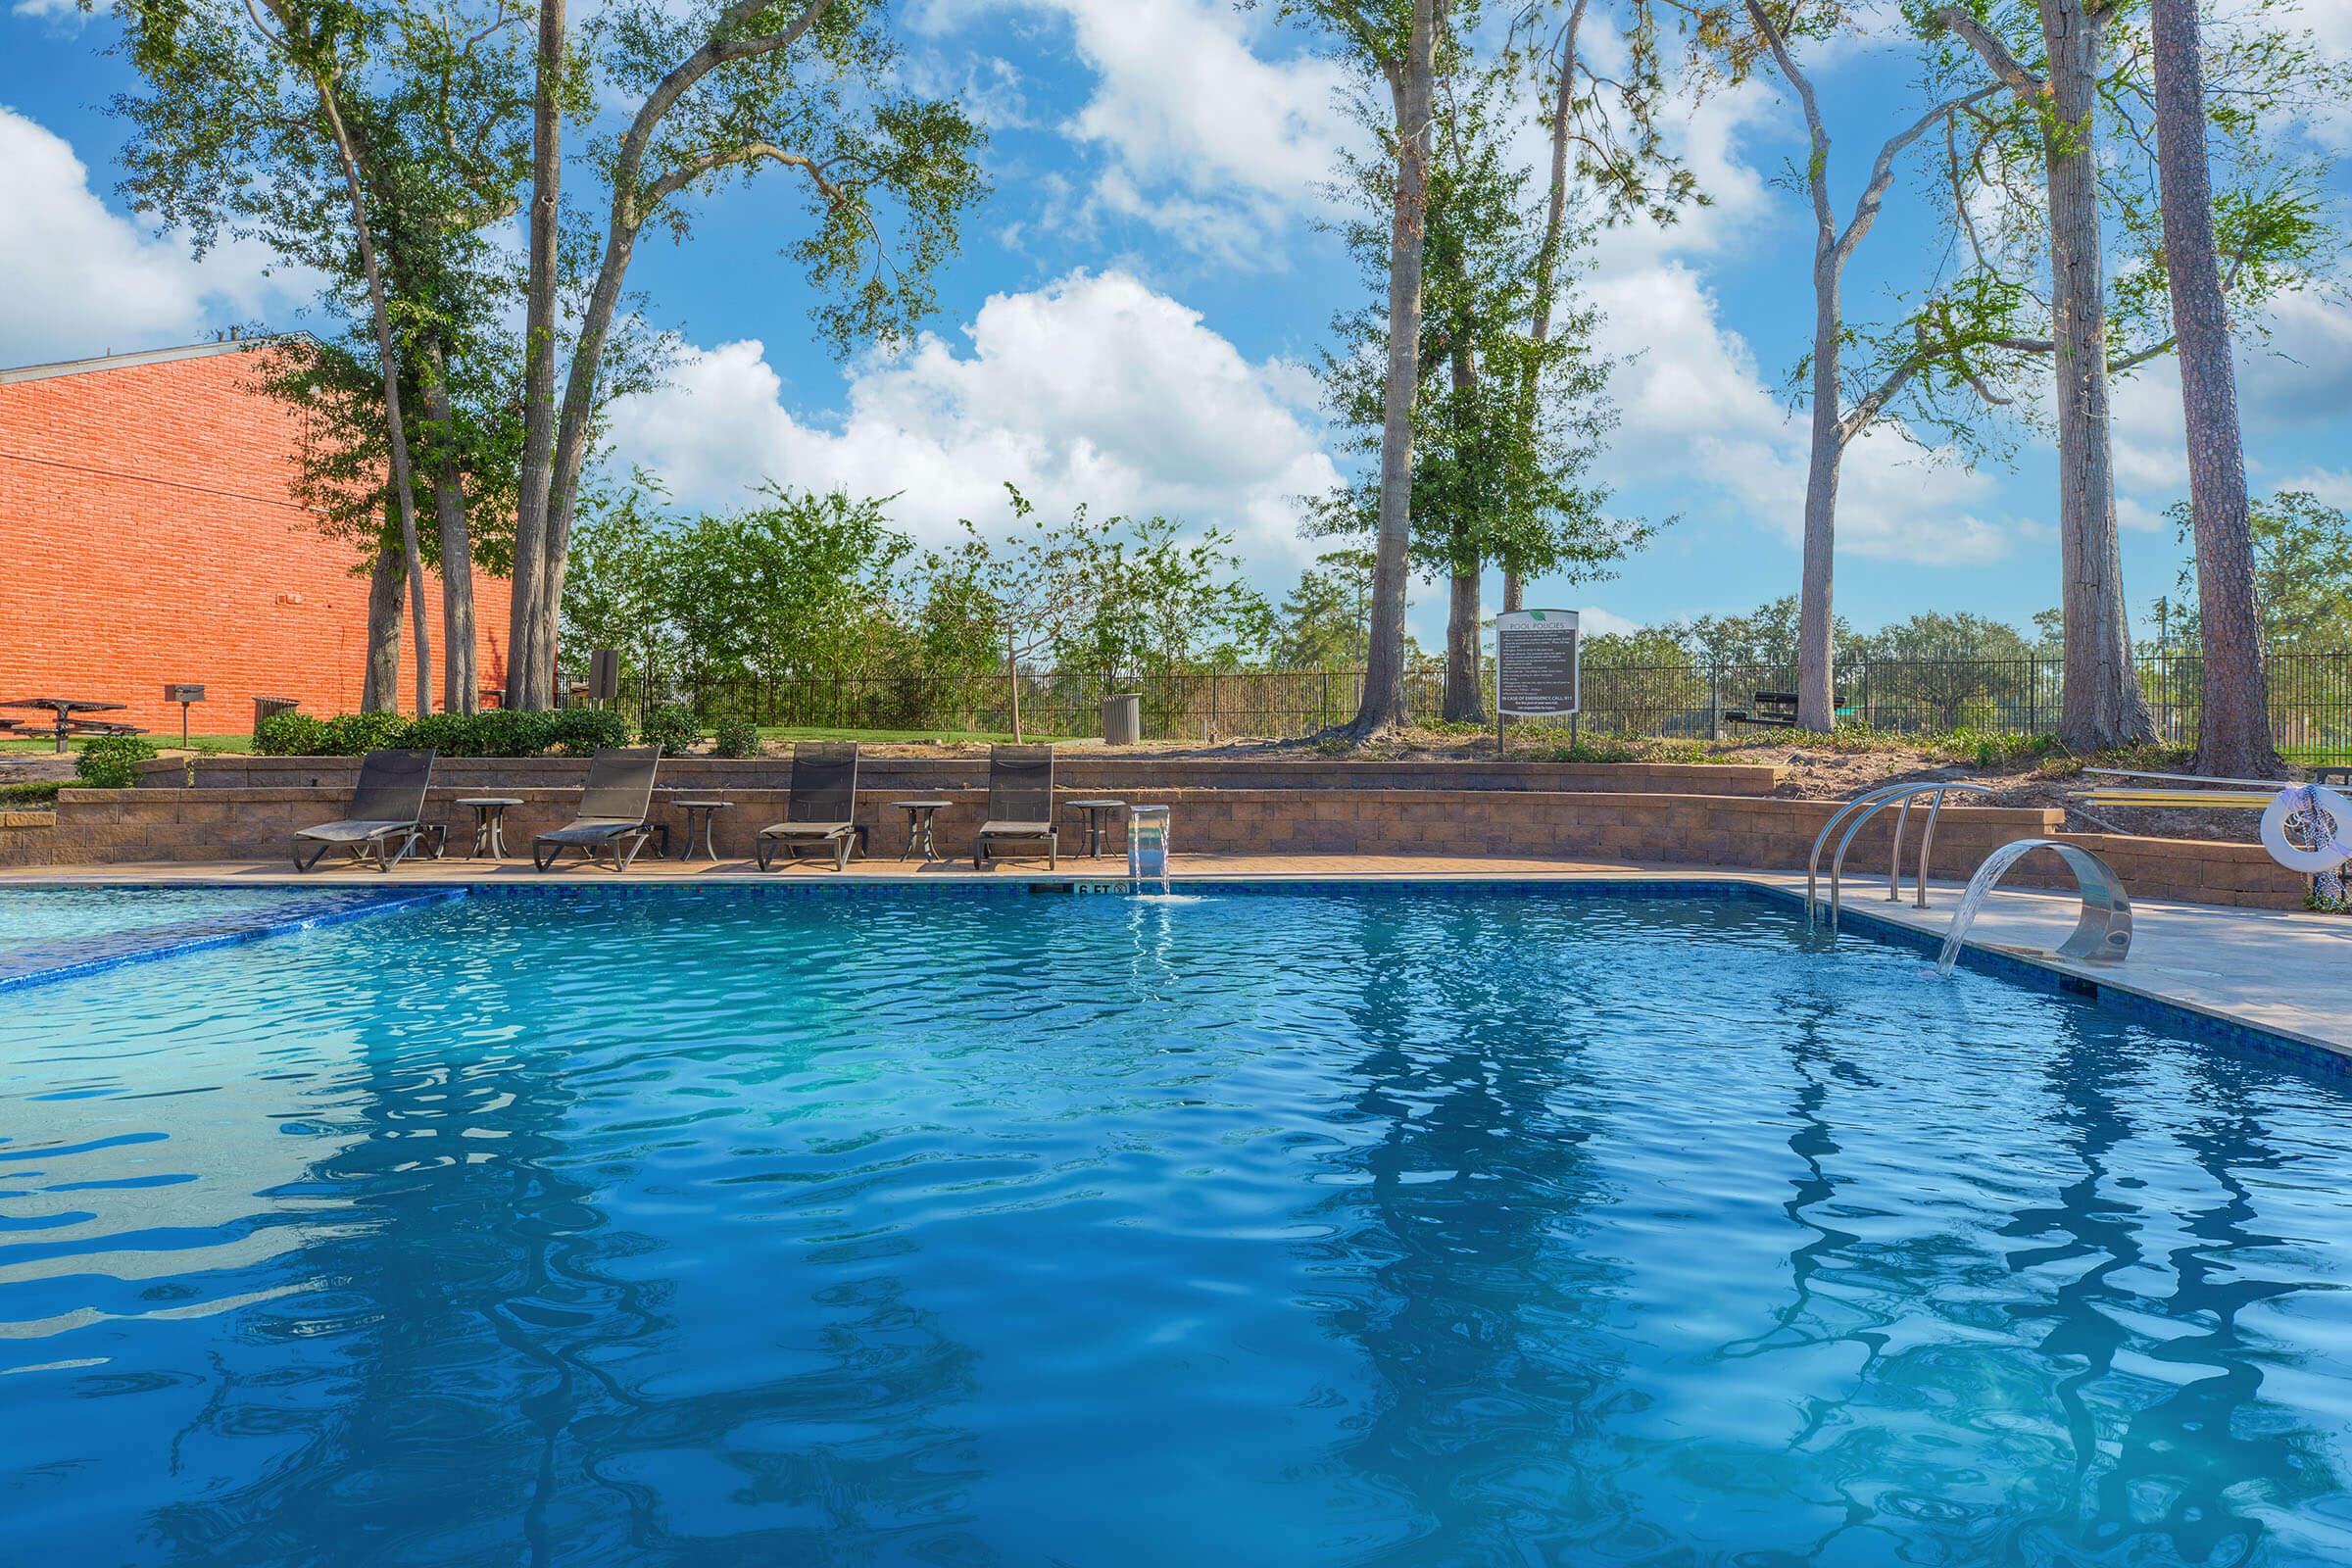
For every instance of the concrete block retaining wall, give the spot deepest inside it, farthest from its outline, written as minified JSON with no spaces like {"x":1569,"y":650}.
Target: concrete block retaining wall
{"x":1081,"y":773}
{"x":219,"y":822}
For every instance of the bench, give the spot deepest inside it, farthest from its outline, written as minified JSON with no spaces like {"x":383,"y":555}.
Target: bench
{"x":1771,"y":709}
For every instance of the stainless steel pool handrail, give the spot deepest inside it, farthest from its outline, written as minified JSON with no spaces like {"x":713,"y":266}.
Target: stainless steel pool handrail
{"x":1861,"y":809}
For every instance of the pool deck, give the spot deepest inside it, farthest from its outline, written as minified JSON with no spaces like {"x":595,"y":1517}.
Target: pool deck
{"x":2283,"y":972}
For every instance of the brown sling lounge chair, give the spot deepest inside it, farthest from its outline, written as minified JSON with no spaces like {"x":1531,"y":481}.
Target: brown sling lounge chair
{"x":823,"y":813}
{"x":385,"y":819}
{"x":1020,"y":803}
{"x":614,"y":812}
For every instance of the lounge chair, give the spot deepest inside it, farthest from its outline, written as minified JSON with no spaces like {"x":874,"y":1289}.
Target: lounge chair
{"x":385,"y":819}
{"x":614,"y":812}
{"x":823,"y":812}
{"x":1020,"y":803}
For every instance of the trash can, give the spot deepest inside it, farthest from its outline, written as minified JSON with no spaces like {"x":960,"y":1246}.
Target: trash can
{"x":267,"y":706}
{"x":1123,"y":718}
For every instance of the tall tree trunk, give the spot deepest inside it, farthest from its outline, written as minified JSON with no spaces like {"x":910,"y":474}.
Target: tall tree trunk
{"x":1411,"y":83}
{"x":1465,"y":698}
{"x":460,"y":683}
{"x":379,"y":690}
{"x":1548,"y":255}
{"x":2100,"y":704}
{"x":2233,"y":716}
{"x":1465,"y":690}
{"x":530,"y":680}
{"x":1816,"y":676}
{"x":404,"y":483}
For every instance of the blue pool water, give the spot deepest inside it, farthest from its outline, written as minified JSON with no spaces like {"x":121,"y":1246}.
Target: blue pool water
{"x":38,"y":915}
{"x":1401,"y":1227}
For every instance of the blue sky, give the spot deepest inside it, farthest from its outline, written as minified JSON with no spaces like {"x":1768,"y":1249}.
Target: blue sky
{"x":1130,"y":320}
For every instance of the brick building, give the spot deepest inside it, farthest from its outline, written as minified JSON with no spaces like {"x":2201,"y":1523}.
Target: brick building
{"x":149,"y":534}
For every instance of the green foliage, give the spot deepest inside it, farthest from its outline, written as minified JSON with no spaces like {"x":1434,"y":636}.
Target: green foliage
{"x":229,"y":140}
{"x":496,"y":732}
{"x":2302,"y":573}
{"x":1981,"y":329}
{"x":30,"y":793}
{"x":672,"y":727}
{"x":112,"y":762}
{"x":1326,"y":621}
{"x":1505,"y":426}
{"x":735,"y":737}
{"x":355,"y":734}
{"x":289,"y":734}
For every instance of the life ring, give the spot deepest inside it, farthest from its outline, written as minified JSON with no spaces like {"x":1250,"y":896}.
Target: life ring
{"x":2334,"y":815}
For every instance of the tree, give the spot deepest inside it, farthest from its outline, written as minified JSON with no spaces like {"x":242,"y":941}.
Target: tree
{"x":1746,"y":31}
{"x":1115,"y":596}
{"x":2100,"y":699}
{"x":799,"y":85}
{"x":1325,"y":622}
{"x":2234,"y":717}
{"x":1608,"y":129}
{"x":1505,"y":422}
{"x":2068,"y":76}
{"x":2301,"y":572}
{"x":369,"y":144}
{"x":1398,"y":41}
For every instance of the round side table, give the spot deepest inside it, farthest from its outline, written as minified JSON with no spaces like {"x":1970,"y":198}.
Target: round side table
{"x":918,"y":826}
{"x":703,"y":814}
{"x":489,"y":811}
{"x":1096,"y":812}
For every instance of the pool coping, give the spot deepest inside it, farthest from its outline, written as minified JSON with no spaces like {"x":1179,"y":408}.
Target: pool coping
{"x":2135,"y":987}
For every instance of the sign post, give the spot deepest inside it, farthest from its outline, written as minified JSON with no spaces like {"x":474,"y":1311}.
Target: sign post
{"x":1536,"y":666}
{"x":184,"y":693}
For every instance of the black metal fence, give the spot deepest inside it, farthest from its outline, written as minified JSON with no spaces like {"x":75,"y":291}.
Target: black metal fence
{"x":2311,"y":698}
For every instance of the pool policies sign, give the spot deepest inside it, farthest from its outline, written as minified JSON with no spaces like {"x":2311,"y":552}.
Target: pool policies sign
{"x":1535,"y":663}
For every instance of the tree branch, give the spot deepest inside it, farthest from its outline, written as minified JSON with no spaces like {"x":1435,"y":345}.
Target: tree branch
{"x":1882,"y":170}
{"x":1994,"y":53}
{"x":1816,"y":167}
{"x":676,"y":179}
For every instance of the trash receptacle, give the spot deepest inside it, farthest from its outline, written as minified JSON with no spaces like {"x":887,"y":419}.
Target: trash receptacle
{"x":1122,"y":719}
{"x":266,"y":707}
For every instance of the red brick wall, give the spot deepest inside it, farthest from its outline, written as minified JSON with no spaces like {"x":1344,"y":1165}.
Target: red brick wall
{"x":147,"y":534}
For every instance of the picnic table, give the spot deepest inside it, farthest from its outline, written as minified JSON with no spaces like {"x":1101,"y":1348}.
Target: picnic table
{"x":66,"y":712}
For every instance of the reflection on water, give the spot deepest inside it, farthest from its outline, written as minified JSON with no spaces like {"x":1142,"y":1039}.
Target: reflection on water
{"x":1408,"y":1227}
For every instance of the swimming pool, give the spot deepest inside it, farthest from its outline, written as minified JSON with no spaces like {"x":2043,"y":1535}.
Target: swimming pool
{"x":1379,"y":1226}
{"x":30,"y":915}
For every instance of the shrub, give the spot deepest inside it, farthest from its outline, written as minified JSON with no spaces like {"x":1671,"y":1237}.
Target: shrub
{"x":579,"y":732}
{"x":671,"y":727}
{"x":497,"y":732}
{"x":289,"y":734}
{"x":351,"y":734}
{"x":736,"y":737}
{"x":112,"y":762}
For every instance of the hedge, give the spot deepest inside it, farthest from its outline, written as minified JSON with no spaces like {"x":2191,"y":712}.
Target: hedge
{"x":498,"y":732}
{"x":112,"y":762}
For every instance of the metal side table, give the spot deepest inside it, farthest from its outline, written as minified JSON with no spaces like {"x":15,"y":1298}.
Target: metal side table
{"x":489,"y":812}
{"x":920,"y":814}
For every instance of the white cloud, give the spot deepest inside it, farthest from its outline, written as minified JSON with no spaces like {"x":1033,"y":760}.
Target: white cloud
{"x":1216,"y":126}
{"x":80,"y":280}
{"x":1093,"y":388}
{"x":1695,"y":407}
{"x":2333,"y":486}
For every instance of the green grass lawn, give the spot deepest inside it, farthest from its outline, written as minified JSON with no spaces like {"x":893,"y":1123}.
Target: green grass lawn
{"x":899,"y":737}
{"x":17,"y":743}
{"x":29,"y":797}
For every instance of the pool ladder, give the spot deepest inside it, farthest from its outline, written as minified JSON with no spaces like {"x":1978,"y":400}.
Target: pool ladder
{"x":1858,"y":812}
